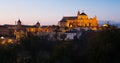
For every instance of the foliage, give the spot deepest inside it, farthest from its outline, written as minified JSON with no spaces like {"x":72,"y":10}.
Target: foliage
{"x":8,"y":54}
{"x":104,"y":46}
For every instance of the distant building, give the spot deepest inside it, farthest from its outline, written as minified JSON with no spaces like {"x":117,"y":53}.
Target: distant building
{"x":19,"y":30}
{"x":81,"y":20}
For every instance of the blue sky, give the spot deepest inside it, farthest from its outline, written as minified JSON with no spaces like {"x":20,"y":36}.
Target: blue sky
{"x":49,"y":12}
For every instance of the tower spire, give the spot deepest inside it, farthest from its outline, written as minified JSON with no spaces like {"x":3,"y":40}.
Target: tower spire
{"x":78,"y":13}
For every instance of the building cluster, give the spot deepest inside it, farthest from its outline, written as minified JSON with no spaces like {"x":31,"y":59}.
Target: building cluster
{"x":67,"y":29}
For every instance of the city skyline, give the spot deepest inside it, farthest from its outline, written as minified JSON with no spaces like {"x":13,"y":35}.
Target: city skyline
{"x":49,"y":12}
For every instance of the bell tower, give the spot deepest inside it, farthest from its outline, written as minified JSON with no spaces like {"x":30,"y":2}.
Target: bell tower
{"x":37,"y":24}
{"x":78,"y":15}
{"x":19,"y":23}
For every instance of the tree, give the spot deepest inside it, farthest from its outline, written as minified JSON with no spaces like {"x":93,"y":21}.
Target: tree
{"x":104,"y":46}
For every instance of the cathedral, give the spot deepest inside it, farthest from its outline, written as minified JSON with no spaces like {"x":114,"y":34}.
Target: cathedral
{"x":81,"y":20}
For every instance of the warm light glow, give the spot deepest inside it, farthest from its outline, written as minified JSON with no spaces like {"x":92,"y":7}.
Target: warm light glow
{"x":2,"y":37}
{"x":71,"y":26}
{"x":105,"y":25}
{"x":3,"y":42}
{"x":10,"y":41}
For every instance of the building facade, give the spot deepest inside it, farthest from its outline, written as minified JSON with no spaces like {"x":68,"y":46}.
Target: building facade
{"x":19,"y":30}
{"x":81,"y":20}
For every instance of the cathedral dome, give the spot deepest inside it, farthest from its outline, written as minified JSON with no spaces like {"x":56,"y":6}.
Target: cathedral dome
{"x":83,"y":13}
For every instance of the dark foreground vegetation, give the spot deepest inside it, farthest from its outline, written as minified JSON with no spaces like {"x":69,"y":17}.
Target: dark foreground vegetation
{"x":92,"y":47}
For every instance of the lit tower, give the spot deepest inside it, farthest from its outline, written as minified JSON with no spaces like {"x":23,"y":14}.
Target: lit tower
{"x":78,"y":13}
{"x":19,"y":23}
{"x":38,"y":28}
{"x":38,"y":24}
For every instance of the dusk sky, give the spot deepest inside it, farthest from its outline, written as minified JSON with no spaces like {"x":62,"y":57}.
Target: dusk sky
{"x":49,"y":12}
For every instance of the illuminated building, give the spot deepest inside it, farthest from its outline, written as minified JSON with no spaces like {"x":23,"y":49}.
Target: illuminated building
{"x":81,"y":20}
{"x":23,"y":30}
{"x":19,"y":30}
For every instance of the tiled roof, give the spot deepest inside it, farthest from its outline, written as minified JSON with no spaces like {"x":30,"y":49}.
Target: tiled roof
{"x":68,"y":18}
{"x":29,"y":26}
